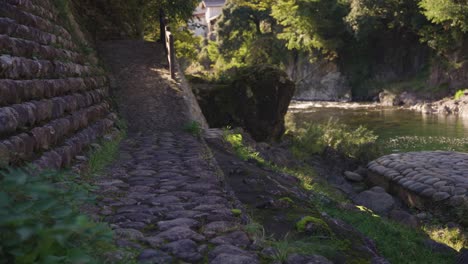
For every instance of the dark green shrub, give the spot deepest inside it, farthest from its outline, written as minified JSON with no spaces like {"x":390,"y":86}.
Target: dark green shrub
{"x":40,"y":220}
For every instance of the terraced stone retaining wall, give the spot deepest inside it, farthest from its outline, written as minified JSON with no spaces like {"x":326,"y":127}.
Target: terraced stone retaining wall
{"x":52,"y":91}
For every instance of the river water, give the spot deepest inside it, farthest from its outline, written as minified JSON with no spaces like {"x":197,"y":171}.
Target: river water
{"x":399,"y":130}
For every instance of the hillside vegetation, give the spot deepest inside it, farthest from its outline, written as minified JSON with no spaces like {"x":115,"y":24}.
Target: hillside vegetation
{"x":412,"y":45}
{"x":397,"y":45}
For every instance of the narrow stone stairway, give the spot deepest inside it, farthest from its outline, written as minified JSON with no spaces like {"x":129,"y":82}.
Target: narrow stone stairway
{"x":165,"y":196}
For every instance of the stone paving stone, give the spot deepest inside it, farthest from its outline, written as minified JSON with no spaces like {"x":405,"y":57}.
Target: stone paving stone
{"x":236,"y":238}
{"x":154,"y":257}
{"x":185,"y":249}
{"x":165,"y":225}
{"x":173,"y":214}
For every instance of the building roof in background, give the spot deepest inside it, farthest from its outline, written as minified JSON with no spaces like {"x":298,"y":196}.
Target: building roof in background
{"x":213,"y":3}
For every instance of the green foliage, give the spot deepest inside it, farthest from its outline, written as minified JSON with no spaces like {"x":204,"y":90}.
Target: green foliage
{"x":187,"y":45}
{"x":242,"y":151}
{"x":134,"y":18}
{"x":454,"y":237}
{"x":309,"y":245}
{"x":105,"y":155}
{"x":40,"y":220}
{"x":368,"y":39}
{"x":421,"y":143}
{"x":448,"y":31}
{"x":459,"y":94}
{"x":247,"y":35}
{"x":255,"y":231}
{"x":193,"y":128}
{"x":305,"y":174}
{"x":367,"y":17}
{"x":208,"y":55}
{"x":175,"y":10}
{"x":63,"y":8}
{"x":282,"y":250}
{"x":178,"y":11}
{"x":397,"y":243}
{"x":311,"y":25}
{"x":287,"y":199}
{"x":452,"y":13}
{"x":356,"y":143}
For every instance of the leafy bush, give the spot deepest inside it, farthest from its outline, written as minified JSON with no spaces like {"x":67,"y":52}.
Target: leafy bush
{"x":40,"y":220}
{"x":459,"y":94}
{"x":356,"y":143}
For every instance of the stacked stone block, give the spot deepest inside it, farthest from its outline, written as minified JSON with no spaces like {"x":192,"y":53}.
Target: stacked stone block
{"x":52,"y":94}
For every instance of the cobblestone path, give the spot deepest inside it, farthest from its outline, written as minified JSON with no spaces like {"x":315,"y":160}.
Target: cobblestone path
{"x":165,"y":196}
{"x":435,"y":175}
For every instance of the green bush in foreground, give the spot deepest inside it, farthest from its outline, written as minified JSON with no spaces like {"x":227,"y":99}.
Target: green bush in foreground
{"x":40,"y":220}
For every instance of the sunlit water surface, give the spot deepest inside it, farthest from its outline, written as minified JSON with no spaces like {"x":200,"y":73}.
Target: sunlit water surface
{"x":398,"y":129}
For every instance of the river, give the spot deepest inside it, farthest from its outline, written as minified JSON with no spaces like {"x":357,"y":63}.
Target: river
{"x":399,"y":130}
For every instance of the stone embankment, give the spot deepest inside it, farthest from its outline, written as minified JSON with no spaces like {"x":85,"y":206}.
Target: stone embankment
{"x":429,"y":180}
{"x":52,"y":92}
{"x":445,"y":106}
{"x":412,"y":101}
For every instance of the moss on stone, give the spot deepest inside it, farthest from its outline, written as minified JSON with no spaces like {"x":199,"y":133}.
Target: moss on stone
{"x":320,"y":226}
{"x":236,"y":212}
{"x":286,"y":199}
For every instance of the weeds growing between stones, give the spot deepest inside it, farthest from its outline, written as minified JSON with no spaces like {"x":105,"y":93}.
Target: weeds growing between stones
{"x":107,"y":153}
{"x":193,"y":128}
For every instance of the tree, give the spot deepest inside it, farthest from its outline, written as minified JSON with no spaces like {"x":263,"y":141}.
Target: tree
{"x":450,"y":13}
{"x":449,"y":30}
{"x":247,"y":33}
{"x":135,"y":18}
{"x":176,"y":10}
{"x":370,"y":17}
{"x":312,"y":25}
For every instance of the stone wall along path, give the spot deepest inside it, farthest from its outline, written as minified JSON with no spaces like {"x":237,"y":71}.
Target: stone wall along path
{"x":165,"y":195}
{"x":53,"y":94}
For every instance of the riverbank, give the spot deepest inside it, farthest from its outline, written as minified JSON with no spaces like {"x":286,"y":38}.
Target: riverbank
{"x":255,"y":171}
{"x":401,"y":130}
{"x":456,"y":105}
{"x":398,"y":129}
